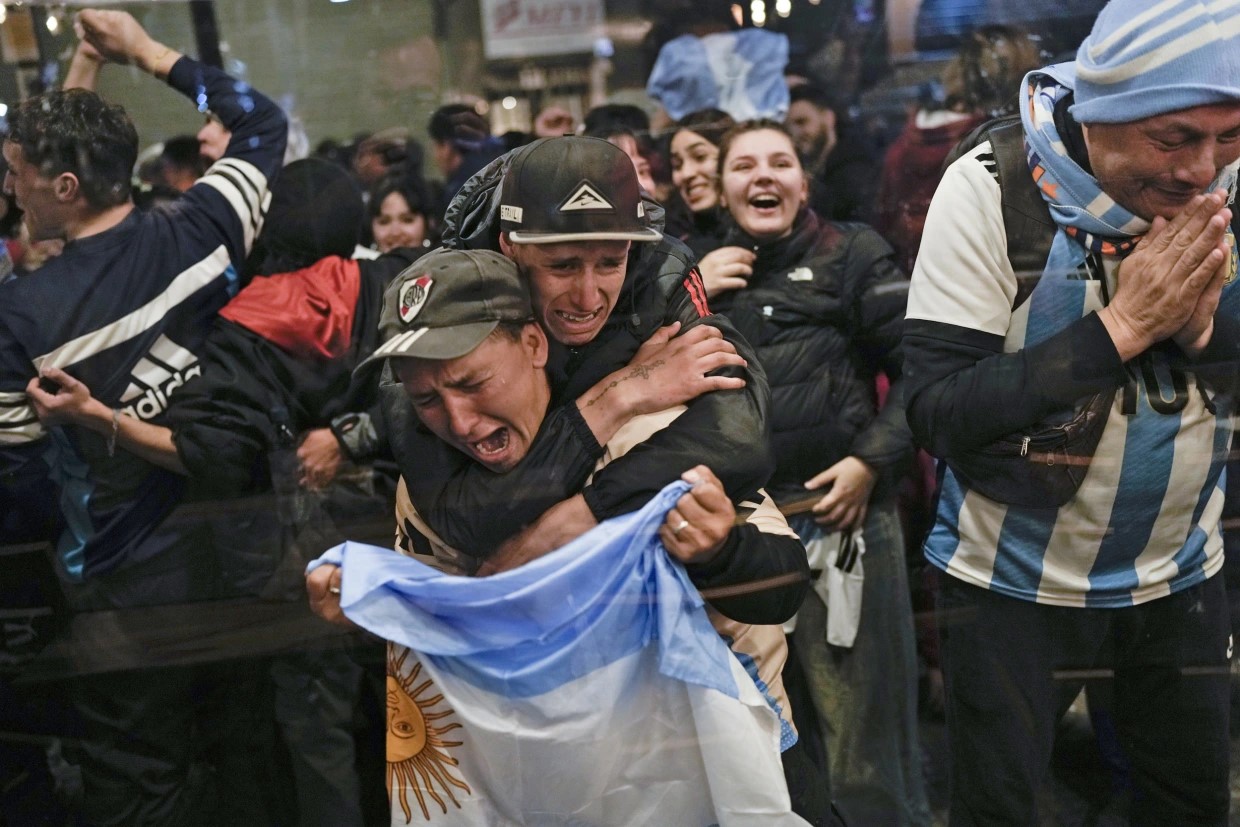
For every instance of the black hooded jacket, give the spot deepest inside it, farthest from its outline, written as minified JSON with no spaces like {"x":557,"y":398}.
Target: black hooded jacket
{"x":475,"y":510}
{"x":825,"y":310}
{"x":222,"y":419}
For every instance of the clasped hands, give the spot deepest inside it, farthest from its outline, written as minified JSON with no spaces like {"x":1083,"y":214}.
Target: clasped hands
{"x":1169,"y":287}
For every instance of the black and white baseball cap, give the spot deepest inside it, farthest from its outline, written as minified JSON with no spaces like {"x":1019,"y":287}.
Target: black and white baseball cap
{"x":446,"y":303}
{"x":572,"y":188}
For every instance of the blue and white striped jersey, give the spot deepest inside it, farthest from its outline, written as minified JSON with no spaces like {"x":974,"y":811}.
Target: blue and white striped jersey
{"x":1145,"y":521}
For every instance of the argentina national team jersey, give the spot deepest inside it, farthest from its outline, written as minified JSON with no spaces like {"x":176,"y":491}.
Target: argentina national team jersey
{"x":1144,"y":523}
{"x":1145,"y":520}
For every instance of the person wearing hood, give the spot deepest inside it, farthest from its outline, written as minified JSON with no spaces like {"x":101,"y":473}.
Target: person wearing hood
{"x":979,"y":83}
{"x":461,"y":144}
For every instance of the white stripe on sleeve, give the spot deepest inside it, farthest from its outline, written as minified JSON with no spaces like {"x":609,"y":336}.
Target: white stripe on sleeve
{"x":191,"y":280}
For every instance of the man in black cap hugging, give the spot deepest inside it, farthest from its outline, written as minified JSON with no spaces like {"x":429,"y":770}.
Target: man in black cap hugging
{"x":569,"y":211}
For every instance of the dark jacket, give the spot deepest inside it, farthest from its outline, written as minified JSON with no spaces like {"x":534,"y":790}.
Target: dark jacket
{"x":222,"y":419}
{"x":825,"y":310}
{"x":475,"y":510}
{"x":126,"y":312}
{"x":910,"y":175}
{"x":707,"y":231}
{"x":844,"y":187}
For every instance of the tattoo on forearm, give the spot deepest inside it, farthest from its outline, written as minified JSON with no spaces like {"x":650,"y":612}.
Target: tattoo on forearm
{"x":642,"y":371}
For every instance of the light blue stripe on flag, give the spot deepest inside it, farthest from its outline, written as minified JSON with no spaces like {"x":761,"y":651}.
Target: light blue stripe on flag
{"x":527,"y":631}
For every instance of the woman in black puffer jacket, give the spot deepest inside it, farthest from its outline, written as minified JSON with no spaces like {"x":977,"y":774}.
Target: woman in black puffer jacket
{"x":824,"y":309}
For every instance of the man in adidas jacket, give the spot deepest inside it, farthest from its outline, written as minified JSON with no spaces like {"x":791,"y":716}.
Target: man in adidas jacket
{"x":126,"y":309}
{"x":127,"y":306}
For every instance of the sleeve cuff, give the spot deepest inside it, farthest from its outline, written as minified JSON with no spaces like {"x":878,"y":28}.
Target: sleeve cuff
{"x":704,"y":573}
{"x":356,"y":434}
{"x":1223,"y":344}
{"x":183,"y":77}
{"x":582,"y":430}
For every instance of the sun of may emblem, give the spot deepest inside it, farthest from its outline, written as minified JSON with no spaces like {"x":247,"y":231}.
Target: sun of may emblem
{"x":417,"y":753}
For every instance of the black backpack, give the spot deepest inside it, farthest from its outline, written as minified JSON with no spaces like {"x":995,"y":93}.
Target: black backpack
{"x":1042,"y":465}
{"x":1026,"y":218}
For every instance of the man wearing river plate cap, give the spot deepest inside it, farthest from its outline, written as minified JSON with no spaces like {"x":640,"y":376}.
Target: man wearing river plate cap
{"x":459,"y":333}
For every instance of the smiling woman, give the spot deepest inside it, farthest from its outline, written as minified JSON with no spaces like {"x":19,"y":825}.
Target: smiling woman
{"x":761,"y":180}
{"x":400,"y":214}
{"x":823,"y":305}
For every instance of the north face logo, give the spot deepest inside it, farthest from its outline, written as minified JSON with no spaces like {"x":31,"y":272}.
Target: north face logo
{"x":165,"y":368}
{"x":586,"y":197}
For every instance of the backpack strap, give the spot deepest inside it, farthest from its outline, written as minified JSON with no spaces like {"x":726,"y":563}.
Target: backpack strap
{"x":1027,"y":220}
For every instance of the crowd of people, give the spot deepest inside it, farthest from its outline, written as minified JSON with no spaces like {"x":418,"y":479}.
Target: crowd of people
{"x":1009,"y":343}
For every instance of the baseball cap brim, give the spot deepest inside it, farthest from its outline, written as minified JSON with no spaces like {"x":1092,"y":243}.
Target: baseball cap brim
{"x":648,"y":235}
{"x":438,"y":343}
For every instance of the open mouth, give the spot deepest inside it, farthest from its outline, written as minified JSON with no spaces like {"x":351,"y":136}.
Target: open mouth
{"x":577,"y":318}
{"x":492,"y":446}
{"x":765,"y":202}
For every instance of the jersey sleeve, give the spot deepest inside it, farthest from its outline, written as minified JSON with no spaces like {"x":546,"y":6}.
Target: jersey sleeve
{"x":962,"y":390}
{"x":877,"y":327}
{"x":233,"y":194}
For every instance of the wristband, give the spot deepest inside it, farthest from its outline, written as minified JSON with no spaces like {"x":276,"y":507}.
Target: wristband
{"x":116,"y":427}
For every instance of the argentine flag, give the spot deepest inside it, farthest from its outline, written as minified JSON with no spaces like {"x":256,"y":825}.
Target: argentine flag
{"x":740,"y":72}
{"x":587,"y":687}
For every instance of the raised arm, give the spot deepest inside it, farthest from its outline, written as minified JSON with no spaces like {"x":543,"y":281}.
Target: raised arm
{"x":231,"y":199}
{"x":117,"y":37}
{"x":83,"y":72}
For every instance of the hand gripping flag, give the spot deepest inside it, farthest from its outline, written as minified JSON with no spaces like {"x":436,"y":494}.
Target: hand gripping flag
{"x":584,"y":688}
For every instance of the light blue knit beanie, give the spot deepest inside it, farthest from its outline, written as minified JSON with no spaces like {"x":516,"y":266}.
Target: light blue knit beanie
{"x":1148,"y":58}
